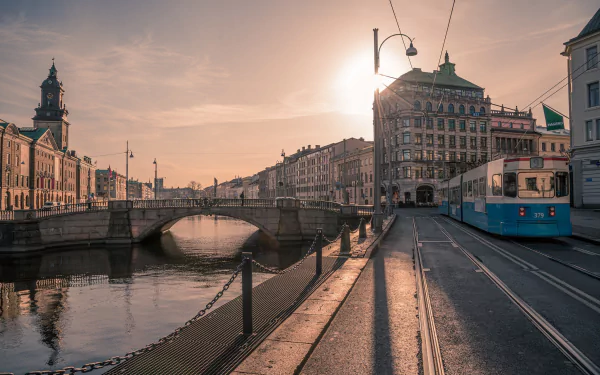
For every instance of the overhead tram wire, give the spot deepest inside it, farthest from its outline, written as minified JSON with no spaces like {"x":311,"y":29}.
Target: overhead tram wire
{"x":559,"y":82}
{"x":400,"y":31}
{"x":442,"y":51}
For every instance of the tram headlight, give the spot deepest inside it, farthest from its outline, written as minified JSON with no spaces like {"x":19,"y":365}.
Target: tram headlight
{"x":551,"y":211}
{"x":521,"y":211}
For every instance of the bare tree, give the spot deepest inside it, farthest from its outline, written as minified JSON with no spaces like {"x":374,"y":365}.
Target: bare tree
{"x":195,"y":187}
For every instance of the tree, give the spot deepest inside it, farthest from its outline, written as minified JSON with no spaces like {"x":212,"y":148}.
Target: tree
{"x":194,"y":187}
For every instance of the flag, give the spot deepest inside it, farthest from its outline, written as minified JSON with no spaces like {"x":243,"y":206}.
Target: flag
{"x":554,"y":120}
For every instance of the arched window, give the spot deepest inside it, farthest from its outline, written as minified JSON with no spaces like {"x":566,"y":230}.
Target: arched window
{"x":450,"y":108}
{"x":441,"y":108}
{"x":428,"y":107}
{"x":471,"y":109}
{"x":417,"y":105}
{"x":482,"y":110}
{"x":461,"y":109}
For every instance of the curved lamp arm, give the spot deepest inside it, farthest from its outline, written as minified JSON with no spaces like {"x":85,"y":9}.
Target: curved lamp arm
{"x":410,"y":51}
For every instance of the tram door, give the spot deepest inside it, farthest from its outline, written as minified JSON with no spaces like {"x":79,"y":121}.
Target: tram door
{"x":461,"y":198}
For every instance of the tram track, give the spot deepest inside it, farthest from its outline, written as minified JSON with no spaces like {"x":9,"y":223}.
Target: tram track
{"x":431,"y":353}
{"x":576,"y":356}
{"x":576,"y":293}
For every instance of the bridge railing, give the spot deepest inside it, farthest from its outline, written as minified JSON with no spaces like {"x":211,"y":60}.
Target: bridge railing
{"x":203,"y":202}
{"x":320,"y":205}
{"x":7,"y":215}
{"x":60,"y":210}
{"x":357,"y":210}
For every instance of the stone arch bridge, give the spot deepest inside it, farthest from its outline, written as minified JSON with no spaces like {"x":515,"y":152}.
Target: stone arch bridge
{"x":114,"y":222}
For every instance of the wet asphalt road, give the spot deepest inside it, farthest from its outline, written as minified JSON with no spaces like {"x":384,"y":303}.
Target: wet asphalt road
{"x":480,"y":330}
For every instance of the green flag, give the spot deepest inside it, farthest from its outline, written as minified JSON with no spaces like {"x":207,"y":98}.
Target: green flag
{"x":554,"y":121}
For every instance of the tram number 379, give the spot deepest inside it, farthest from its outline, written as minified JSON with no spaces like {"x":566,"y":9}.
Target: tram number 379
{"x":538,"y":214}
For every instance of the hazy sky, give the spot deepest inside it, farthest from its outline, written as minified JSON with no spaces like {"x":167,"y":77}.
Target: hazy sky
{"x":218,"y":88}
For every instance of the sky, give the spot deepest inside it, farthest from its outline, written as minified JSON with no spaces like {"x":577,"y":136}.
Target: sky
{"x":219,"y":88}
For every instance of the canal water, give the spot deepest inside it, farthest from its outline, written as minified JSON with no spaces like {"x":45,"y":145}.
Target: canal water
{"x":70,"y":307}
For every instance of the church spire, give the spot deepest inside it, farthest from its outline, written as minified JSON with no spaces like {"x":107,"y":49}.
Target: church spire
{"x":447,"y":58}
{"x":53,"y":70}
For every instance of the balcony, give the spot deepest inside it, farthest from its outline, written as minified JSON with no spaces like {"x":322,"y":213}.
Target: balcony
{"x":511,"y":114}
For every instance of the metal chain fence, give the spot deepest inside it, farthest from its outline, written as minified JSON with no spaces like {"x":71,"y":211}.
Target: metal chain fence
{"x":338,"y":236}
{"x":267,"y":269}
{"x":119,"y":359}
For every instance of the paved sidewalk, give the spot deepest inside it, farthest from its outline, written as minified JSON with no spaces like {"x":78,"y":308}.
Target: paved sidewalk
{"x":586,"y":224}
{"x":376,"y":329}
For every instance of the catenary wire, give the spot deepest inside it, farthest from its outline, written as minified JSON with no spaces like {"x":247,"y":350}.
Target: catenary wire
{"x":400,"y":31}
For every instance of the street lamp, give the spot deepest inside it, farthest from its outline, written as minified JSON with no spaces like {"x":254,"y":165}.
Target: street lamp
{"x":128,"y":155}
{"x":377,"y":222}
{"x":284,"y":176}
{"x":155,"y":179}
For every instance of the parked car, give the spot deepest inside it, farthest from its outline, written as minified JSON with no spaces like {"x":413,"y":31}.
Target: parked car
{"x":50,"y":205}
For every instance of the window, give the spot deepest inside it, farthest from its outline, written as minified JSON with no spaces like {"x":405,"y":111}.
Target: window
{"x":406,"y":138}
{"x":418,"y":173}
{"x":536,"y":185}
{"x":463,"y":142}
{"x":482,"y":186}
{"x":562,"y":184}
{"x":482,"y":111}
{"x":472,"y":126}
{"x":598,"y":128}
{"x":406,"y":155}
{"x":464,"y":189}
{"x":462,"y":125}
{"x":428,"y":107}
{"x":440,"y":140}
{"x":429,"y":123}
{"x":429,"y":139}
{"x":510,"y":185}
{"x":452,"y":140}
{"x":406,"y":122}
{"x":591,"y":57}
{"x":429,"y":155}
{"x":418,"y":122}
{"x":510,"y":125}
{"x":482,"y":126}
{"x":562,"y":147}
{"x":484,"y":157}
{"x":473,"y":142}
{"x":418,"y":154}
{"x":452,"y":124}
{"x":475,"y":188}
{"x":544,"y":146}
{"x":450,"y":108}
{"x":406,"y":172}
{"x":499,"y":124}
{"x":452,"y":156}
{"x":417,"y":105}
{"x":463,"y":156}
{"x":461,"y":109}
{"x":483,"y":142}
{"x":441,"y":108}
{"x":552,"y":147}
{"x":440,"y":124}
{"x":471,"y":110}
{"x":418,"y":138}
{"x":593,"y":94}
{"x":588,"y":131}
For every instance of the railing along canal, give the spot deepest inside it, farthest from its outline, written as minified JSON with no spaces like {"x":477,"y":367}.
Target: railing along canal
{"x":244,"y":267}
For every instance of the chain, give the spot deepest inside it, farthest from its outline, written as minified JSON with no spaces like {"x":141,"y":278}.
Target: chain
{"x":359,"y":223}
{"x":338,"y":236}
{"x":264,"y":268}
{"x":170,"y":337}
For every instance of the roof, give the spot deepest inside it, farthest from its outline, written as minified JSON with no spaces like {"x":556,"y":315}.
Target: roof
{"x":592,"y":27}
{"x":446,"y":76}
{"x":33,"y":133}
{"x":544,"y":131}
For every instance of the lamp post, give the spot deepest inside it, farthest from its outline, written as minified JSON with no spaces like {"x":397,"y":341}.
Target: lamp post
{"x":128,"y":155}
{"x":377,"y":222}
{"x":155,"y":179}
{"x":284,"y":175}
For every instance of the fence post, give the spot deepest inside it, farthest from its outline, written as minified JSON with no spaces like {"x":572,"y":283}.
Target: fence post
{"x":319,"y":248}
{"x":362,"y":231}
{"x":345,"y":242}
{"x":247,"y":292}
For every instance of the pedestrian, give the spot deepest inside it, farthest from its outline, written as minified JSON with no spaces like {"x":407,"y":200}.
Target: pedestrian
{"x":242,"y":198}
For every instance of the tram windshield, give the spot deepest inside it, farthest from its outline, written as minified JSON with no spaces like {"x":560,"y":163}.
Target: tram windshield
{"x":536,"y":185}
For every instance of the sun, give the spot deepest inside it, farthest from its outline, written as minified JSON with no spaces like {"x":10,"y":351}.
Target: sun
{"x":355,"y":85}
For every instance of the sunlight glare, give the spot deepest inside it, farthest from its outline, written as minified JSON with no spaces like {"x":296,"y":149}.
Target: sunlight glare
{"x":355,"y":85}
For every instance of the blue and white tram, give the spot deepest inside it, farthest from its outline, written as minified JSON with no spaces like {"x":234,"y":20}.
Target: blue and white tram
{"x":522,"y":197}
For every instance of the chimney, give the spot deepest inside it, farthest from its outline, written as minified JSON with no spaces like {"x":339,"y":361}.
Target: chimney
{"x":308,"y":147}
{"x":318,"y":146}
{"x":361,"y":139}
{"x":298,"y":151}
{"x":303,"y":148}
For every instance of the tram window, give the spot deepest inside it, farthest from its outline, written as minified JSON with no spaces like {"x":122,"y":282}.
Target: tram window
{"x":470,"y":189}
{"x":510,"y":185}
{"x":475,"y":188}
{"x":497,"y":184}
{"x":482,"y":186}
{"x":536,"y":185}
{"x":464,"y":189}
{"x":562,"y":184}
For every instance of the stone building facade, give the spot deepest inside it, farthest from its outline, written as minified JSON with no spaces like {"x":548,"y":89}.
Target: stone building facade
{"x":430,"y":136}
{"x":110,"y":185}
{"x":353,"y":176}
{"x":584,"y":113}
{"x":513,"y":133}
{"x":553,"y":142}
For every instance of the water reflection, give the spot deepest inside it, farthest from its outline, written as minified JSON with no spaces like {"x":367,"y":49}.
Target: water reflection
{"x":71,"y":307}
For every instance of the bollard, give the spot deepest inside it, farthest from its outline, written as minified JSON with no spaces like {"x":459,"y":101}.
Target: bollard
{"x":247,"y":293}
{"x":319,"y":248}
{"x":345,"y":242}
{"x":362,"y":229}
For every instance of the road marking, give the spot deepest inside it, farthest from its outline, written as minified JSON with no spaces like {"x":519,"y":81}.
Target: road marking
{"x":435,"y":241}
{"x":585,"y":251}
{"x":479,"y":270}
{"x":426,"y":269}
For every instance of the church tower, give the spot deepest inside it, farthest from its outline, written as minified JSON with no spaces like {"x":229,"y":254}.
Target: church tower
{"x":51,"y":112}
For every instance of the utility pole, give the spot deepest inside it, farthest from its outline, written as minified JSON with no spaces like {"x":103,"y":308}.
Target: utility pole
{"x":155,"y":179}
{"x":284,"y":175}
{"x":346,"y":201}
{"x":377,"y":221}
